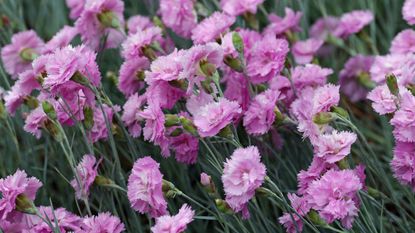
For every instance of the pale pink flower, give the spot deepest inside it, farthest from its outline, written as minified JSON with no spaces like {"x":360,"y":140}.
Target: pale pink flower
{"x":324,"y":27}
{"x":14,"y":186}
{"x":166,"y":68}
{"x":163,"y":94}
{"x":129,"y":79}
{"x":87,"y":171}
{"x":403,"y":120}
{"x":71,"y":108}
{"x":66,"y":221}
{"x":353,"y":22}
{"x":403,"y":163}
{"x":212,"y":28}
{"x":92,"y":30}
{"x":408,"y":11}
{"x":260,"y":115}
{"x":35,"y":121}
{"x":388,"y":64}
{"x":317,"y":168}
{"x":243,"y":173}
{"x":195,"y":102}
{"x":14,"y":223}
{"x":349,"y":76}
{"x":130,"y":117}
{"x":292,"y":221}
{"x":61,"y":39}
{"x":138,"y":23}
{"x":19,"y":54}
{"x":145,"y":188}
{"x":334,"y":196}
{"x":213,"y":117}
{"x":279,"y":25}
{"x":205,"y":179}
{"x":100,"y":129}
{"x":238,"y":7}
{"x":179,"y":15}
{"x":133,"y":46}
{"x":383,"y":101}
{"x":267,"y":60}
{"x":334,"y":146}
{"x":76,"y":7}
{"x":303,"y":51}
{"x":325,"y":97}
{"x":103,"y":223}
{"x":404,"y":42}
{"x":186,"y":148}
{"x":174,"y":224}
{"x":250,"y":39}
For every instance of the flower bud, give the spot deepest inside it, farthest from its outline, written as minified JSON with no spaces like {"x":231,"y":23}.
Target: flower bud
{"x":207,"y":183}
{"x":363,"y":78}
{"x":343,"y":164}
{"x":315,"y":218}
{"x":25,"y":205}
{"x":188,"y":126}
{"x":234,"y":63}
{"x":53,"y":130}
{"x":88,"y":118}
{"x":171,"y":120}
{"x":149,"y":53}
{"x":49,"y":110}
{"x":392,"y":84}
{"x":223,"y":206}
{"x":31,"y":102}
{"x":103,"y":181}
{"x":340,"y":112}
{"x":79,"y":78}
{"x":167,"y":186}
{"x":279,"y":117}
{"x":140,"y":75}
{"x":207,"y":68}
{"x":28,"y":54}
{"x":323,"y":118}
{"x":238,"y":43}
{"x":251,"y":20}
{"x":226,"y":132}
{"x":176,"y":132}
{"x":109,"y":19}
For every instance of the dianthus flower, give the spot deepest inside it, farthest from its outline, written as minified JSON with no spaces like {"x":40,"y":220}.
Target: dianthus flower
{"x":130,"y":118}
{"x":132,"y":75}
{"x":103,"y":223}
{"x":212,"y":28}
{"x":403,"y":163}
{"x":66,"y":221}
{"x":174,"y":224}
{"x":179,"y":15}
{"x":100,"y":129}
{"x":87,"y":171}
{"x":237,"y":7}
{"x":138,"y":23}
{"x":408,"y":11}
{"x":383,"y":101}
{"x":279,"y":25}
{"x":404,"y":42}
{"x":403,"y":120}
{"x":61,"y":39}
{"x":334,"y":146}
{"x":353,"y":22}
{"x":291,"y":221}
{"x":136,"y":45}
{"x":303,"y":51}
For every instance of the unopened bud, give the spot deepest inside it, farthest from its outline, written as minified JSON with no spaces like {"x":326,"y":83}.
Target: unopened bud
{"x":171,"y":120}
{"x":323,"y":118}
{"x":31,"y":102}
{"x":340,"y":111}
{"x":140,"y":75}
{"x":279,"y":117}
{"x":223,"y":206}
{"x":315,"y":218}
{"x":182,"y":84}
{"x":392,"y":84}
{"x":103,"y":181}
{"x":80,"y":78}
{"x":167,"y":186}
{"x":53,"y":130}
{"x":343,"y":164}
{"x":149,"y":53}
{"x":226,"y":132}
{"x":251,"y":20}
{"x":88,"y":118}
{"x":188,"y":126}
{"x":207,"y":183}
{"x":28,"y":54}
{"x":109,"y":19}
{"x":49,"y":110}
{"x":208,"y":69}
{"x":234,"y":63}
{"x":363,"y":78}
{"x":24,"y":204}
{"x":238,"y":43}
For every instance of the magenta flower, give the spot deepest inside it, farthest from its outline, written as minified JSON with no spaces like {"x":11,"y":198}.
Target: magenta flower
{"x":237,"y":88}
{"x":132,"y":74}
{"x":334,"y":196}
{"x":403,"y":120}
{"x":267,"y":60}
{"x":67,"y":62}
{"x":15,"y":186}
{"x":66,"y":221}
{"x":163,"y":94}
{"x":71,"y":108}
{"x":317,"y":168}
{"x":353,"y":22}
{"x":179,"y":15}
{"x":211,"y":28}
{"x":242,"y":175}
{"x":279,"y":25}
{"x":135,"y":44}
{"x":145,"y":188}
{"x":404,"y":42}
{"x":383,"y":101}
{"x":334,"y":146}
{"x":403,"y":163}
{"x":35,"y":121}
{"x":138,"y":23}
{"x":130,"y":118}
{"x":100,"y":130}
{"x":76,"y":7}
{"x":260,"y":115}
{"x":292,"y":221}
{"x":186,"y":148}
{"x":102,"y":19}
{"x":87,"y":171}
{"x":18,"y":56}
{"x":213,"y":117}
{"x":408,"y":11}
{"x":167,"y":68}
{"x":324,"y":27}
{"x":174,"y":224}
{"x":352,"y":77}
{"x":303,"y":51}
{"x":61,"y":39}
{"x":235,"y":7}
{"x":103,"y":223}
{"x":14,"y":223}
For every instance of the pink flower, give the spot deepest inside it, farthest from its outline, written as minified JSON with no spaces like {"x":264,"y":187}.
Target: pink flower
{"x":179,"y":15}
{"x":408,"y":11}
{"x":15,"y":186}
{"x":388,"y":64}
{"x":292,"y":221}
{"x":353,"y":22}
{"x":100,"y":129}
{"x":138,"y":23}
{"x":260,"y":115}
{"x":87,"y":171}
{"x":235,"y":7}
{"x":71,"y":108}
{"x":66,"y":221}
{"x":303,"y":51}
{"x":404,"y":42}
{"x":213,"y":117}
{"x":129,"y":117}
{"x":267,"y":60}
{"x":102,"y":18}
{"x":242,"y":175}
{"x":24,"y":48}
{"x":383,"y":101}
{"x":14,"y":223}
{"x":76,"y":7}
{"x":174,"y":224}
{"x":163,"y":94}
{"x":325,"y":97}
{"x":130,"y":72}
{"x":35,"y":121}
{"x":403,"y":163}
{"x":186,"y":148}
{"x":250,"y":39}
{"x":237,"y":88}
{"x":205,"y":179}
{"x":334,"y":146}
{"x":195,"y":102}
{"x":134,"y":45}
{"x":323,"y":27}
{"x":167,"y":68}
{"x":403,"y":120}
{"x":61,"y":39}
{"x":212,"y":28}
{"x":144,"y":188}
{"x":317,"y":168}
{"x":334,"y":196}
{"x":356,"y":68}
{"x":103,"y":223}
{"x":67,"y":62}
{"x":280,"y":25}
